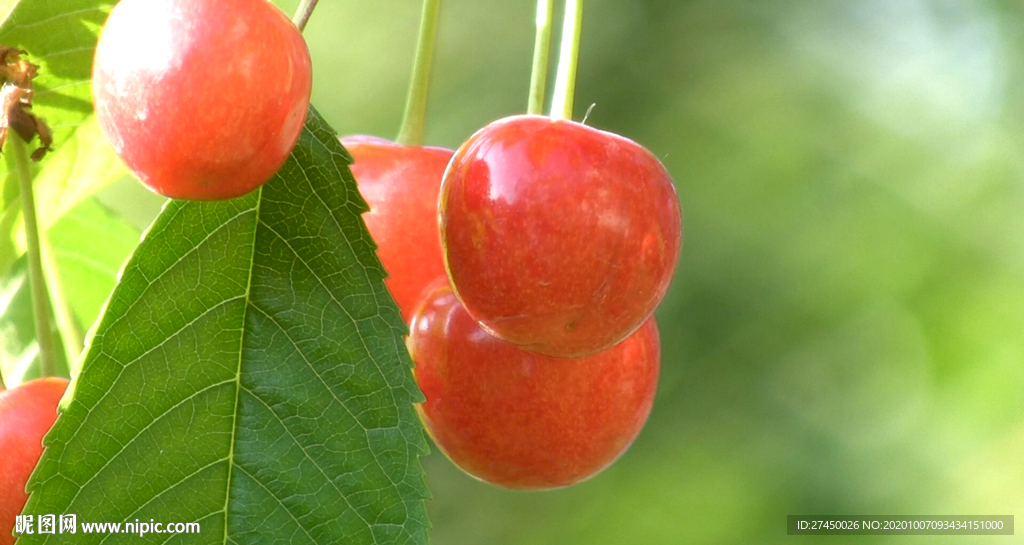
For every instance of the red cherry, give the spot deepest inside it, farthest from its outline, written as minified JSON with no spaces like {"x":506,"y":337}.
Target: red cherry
{"x":202,"y":99}
{"x":558,"y":237}
{"x":27,"y":412}
{"x":401,"y":184}
{"x":524,"y":420}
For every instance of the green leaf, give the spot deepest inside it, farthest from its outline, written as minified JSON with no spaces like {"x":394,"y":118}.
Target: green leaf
{"x":85,"y":273}
{"x":19,"y":353}
{"x":90,"y":244}
{"x":82,"y":273}
{"x":249,"y":374}
{"x":82,"y":166}
{"x":59,"y":36}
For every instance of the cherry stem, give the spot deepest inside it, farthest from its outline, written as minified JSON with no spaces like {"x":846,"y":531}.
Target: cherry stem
{"x":541,"y":53}
{"x":71,"y":333}
{"x":303,"y":12}
{"x":37,"y":281}
{"x":565,"y":80}
{"x":411,"y":131}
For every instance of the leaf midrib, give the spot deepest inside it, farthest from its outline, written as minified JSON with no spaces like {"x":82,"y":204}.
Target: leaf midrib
{"x":241,"y":351}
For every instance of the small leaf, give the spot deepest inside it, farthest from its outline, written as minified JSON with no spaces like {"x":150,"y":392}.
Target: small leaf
{"x":78,"y":169}
{"x":90,"y":244}
{"x":82,"y":166}
{"x":19,"y":353}
{"x":249,"y":374}
{"x":59,"y":36}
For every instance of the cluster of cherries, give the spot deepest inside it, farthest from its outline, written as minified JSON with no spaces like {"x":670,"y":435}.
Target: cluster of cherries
{"x":528,"y":264}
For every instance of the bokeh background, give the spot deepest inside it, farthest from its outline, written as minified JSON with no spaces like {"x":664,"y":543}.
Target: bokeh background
{"x":845,"y":332}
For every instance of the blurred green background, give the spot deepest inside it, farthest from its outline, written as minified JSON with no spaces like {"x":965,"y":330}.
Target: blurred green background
{"x":845,"y":332}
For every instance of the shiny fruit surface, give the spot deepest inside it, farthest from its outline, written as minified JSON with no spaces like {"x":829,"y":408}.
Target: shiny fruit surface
{"x":558,"y":237}
{"x":26,"y":413}
{"x":401,"y":185}
{"x":202,"y":99}
{"x":523,"y":420}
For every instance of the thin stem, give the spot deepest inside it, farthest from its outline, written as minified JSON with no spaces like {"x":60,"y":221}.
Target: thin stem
{"x":303,"y":12}
{"x":411,"y":132}
{"x":40,"y":300}
{"x":541,"y":53}
{"x":71,"y":333}
{"x":565,"y":81}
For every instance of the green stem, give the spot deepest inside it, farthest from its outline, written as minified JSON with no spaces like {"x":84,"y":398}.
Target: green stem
{"x":565,"y":81}
{"x":303,"y":12}
{"x":541,"y":53}
{"x":40,"y":300}
{"x":71,"y":333}
{"x":411,"y":132}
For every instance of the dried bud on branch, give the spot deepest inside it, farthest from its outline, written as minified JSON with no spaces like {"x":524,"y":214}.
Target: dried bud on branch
{"x":16,"y":101}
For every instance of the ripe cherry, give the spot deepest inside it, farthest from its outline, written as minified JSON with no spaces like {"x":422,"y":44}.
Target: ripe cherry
{"x":202,"y":99}
{"x":524,"y":420}
{"x":401,"y":185}
{"x":558,"y":237}
{"x":27,"y":412}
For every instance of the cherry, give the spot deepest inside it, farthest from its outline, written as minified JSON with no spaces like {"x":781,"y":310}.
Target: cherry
{"x":202,"y":99}
{"x":524,"y":420}
{"x":401,"y":185}
{"x":558,"y":237}
{"x":27,"y":412}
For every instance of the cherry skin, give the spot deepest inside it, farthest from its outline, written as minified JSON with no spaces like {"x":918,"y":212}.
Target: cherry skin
{"x":202,"y":99}
{"x":401,"y":185}
{"x":558,"y":237}
{"x":523,"y":420}
{"x":27,"y":412}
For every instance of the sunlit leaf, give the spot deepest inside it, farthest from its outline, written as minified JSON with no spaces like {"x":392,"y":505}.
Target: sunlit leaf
{"x":90,"y":244}
{"x":59,"y":36}
{"x":19,"y":353}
